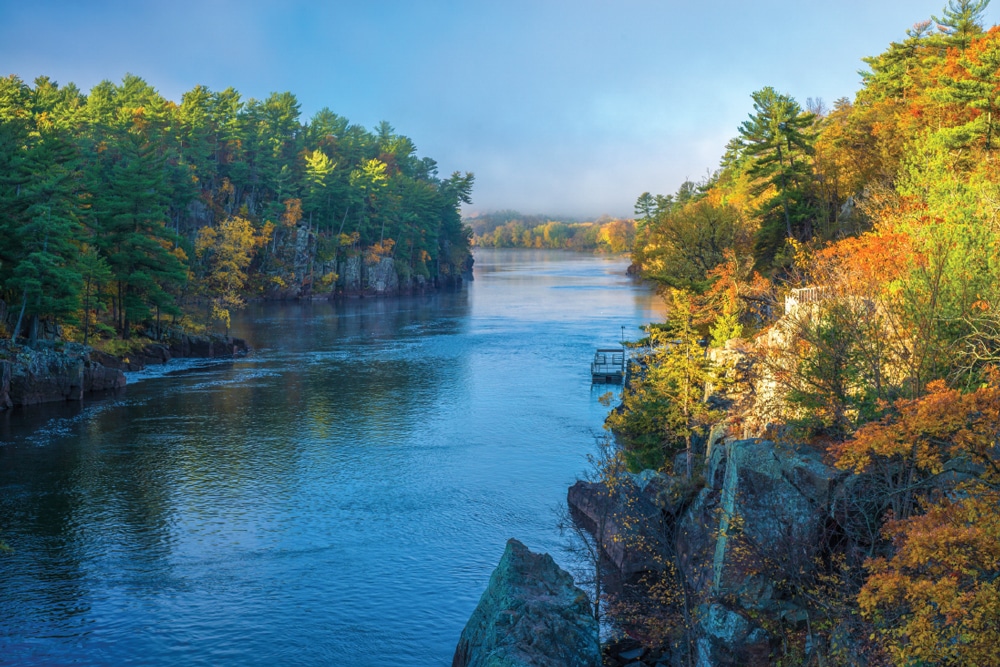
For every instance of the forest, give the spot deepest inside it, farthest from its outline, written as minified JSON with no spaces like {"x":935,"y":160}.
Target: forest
{"x":510,"y":229}
{"x":836,"y":282}
{"x":121,"y":210}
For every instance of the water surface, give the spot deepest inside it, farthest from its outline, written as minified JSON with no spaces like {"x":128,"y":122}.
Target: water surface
{"x":339,"y":497}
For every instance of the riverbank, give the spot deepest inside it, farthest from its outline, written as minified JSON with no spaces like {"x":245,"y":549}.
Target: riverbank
{"x":56,"y":371}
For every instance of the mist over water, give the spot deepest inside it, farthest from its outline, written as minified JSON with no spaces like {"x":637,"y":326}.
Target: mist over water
{"x":339,"y":497}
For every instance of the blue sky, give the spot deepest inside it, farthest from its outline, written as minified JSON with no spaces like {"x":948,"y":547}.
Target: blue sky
{"x":559,"y":107}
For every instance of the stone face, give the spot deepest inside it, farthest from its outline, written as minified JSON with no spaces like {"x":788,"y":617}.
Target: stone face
{"x":381,"y":277}
{"x":48,"y":374}
{"x":636,"y":502}
{"x":777,"y":499}
{"x":696,"y":540}
{"x":728,"y":639}
{"x":349,"y":275}
{"x":530,"y":614}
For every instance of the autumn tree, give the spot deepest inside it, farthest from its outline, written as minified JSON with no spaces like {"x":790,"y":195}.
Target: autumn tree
{"x":936,"y":597}
{"x":226,"y":252}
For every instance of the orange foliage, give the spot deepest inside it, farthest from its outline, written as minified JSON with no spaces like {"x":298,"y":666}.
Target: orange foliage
{"x":937,"y":600}
{"x":932,"y":430}
{"x":736,"y":285}
{"x":293,"y":212}
{"x":867,"y":261}
{"x":379,"y":250}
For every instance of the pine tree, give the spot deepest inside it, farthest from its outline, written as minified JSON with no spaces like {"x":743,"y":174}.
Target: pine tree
{"x":128,"y":216}
{"x":962,"y":20}
{"x":777,"y":141}
{"x":45,"y":275}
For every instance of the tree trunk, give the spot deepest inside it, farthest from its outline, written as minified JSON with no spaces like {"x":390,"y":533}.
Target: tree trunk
{"x":86,"y":312}
{"x":20,"y":317}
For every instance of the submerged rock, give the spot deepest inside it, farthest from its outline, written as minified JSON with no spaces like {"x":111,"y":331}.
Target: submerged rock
{"x":530,"y":614}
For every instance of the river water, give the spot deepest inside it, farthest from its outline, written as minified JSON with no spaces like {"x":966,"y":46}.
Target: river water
{"x":339,"y":497}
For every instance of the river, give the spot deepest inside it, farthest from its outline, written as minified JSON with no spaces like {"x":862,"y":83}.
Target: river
{"x":338,"y":497}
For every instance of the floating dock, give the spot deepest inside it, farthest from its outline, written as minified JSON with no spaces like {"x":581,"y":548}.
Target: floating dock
{"x":608,"y":366}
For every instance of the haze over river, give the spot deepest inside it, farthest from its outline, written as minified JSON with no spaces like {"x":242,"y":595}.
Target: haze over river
{"x":339,"y":497}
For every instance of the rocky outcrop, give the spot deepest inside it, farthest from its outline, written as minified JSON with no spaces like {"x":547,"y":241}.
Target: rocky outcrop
{"x":776,"y":503}
{"x":5,"y":401}
{"x":531,"y":614}
{"x":627,"y":518}
{"x":49,"y":374}
{"x":766,"y":514}
{"x":52,"y":372}
{"x":381,"y":278}
{"x":175,"y":345}
{"x":729,"y":639}
{"x":356,"y":276}
{"x":203,"y":347}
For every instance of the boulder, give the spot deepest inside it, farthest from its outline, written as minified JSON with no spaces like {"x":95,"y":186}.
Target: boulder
{"x":530,"y":614}
{"x":728,"y":639}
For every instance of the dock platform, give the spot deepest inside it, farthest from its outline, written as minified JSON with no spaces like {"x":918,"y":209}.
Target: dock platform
{"x":608,"y":366}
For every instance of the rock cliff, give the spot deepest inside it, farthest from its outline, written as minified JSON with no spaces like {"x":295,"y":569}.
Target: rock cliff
{"x":765,"y":515}
{"x":47,"y":374}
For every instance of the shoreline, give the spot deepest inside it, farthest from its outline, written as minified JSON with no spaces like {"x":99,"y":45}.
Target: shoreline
{"x":55,"y":371}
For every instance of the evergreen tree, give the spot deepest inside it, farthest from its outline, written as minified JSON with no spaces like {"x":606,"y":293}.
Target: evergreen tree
{"x":962,"y":20}
{"x":45,"y":273}
{"x":777,"y":140}
{"x":128,"y":217}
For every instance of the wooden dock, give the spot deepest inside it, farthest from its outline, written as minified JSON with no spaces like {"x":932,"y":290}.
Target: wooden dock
{"x":608,"y":366}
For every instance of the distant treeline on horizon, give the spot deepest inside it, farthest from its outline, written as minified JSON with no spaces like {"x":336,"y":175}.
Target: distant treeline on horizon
{"x":510,"y":229}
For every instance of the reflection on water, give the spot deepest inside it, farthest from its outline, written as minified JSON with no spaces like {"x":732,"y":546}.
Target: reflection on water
{"x":339,"y":497}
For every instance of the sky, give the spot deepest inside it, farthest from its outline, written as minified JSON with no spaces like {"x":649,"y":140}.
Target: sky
{"x":565,"y":108}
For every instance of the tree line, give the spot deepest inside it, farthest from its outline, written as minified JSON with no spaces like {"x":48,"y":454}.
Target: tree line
{"x":510,"y":229}
{"x":119,"y":207}
{"x":876,"y":223}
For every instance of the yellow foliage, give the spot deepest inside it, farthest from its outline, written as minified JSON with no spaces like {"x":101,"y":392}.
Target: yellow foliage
{"x":937,"y":600}
{"x":226,"y":252}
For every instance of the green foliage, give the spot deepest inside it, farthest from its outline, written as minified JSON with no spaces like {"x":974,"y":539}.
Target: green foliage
{"x":685,"y":240}
{"x":663,"y":410}
{"x":509,"y":229}
{"x":136,"y":178}
{"x":777,"y":141}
